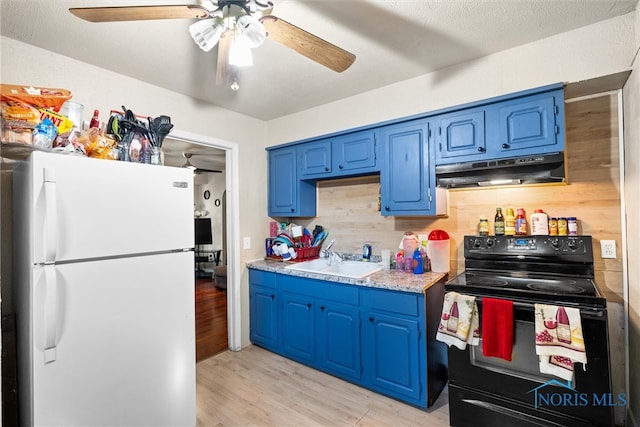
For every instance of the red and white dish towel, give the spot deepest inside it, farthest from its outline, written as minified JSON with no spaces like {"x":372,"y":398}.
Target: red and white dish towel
{"x":459,"y":322}
{"x":559,"y":341}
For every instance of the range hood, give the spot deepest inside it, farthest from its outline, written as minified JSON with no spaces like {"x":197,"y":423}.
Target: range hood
{"x":518,"y":170}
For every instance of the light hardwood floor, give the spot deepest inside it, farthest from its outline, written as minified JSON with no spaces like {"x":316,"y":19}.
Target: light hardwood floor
{"x":254,"y":387}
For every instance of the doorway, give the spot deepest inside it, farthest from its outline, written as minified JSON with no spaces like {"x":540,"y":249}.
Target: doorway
{"x":215,"y":154}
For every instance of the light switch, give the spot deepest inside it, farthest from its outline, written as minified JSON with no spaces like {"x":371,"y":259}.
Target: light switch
{"x":246,"y":243}
{"x":608,"y":248}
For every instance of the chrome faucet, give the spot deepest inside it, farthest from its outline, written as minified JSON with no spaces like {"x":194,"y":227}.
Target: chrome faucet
{"x":329,"y":255}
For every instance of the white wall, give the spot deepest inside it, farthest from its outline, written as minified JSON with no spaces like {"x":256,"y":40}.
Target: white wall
{"x":632,"y":198}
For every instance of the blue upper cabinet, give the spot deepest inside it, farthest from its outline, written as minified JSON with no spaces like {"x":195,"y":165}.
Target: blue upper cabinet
{"x":531,"y":125}
{"x":355,"y":153}
{"x":407,"y":181}
{"x":522,"y":124}
{"x":348,"y":154}
{"x":461,"y":135}
{"x":315,"y":159}
{"x":288,"y":195}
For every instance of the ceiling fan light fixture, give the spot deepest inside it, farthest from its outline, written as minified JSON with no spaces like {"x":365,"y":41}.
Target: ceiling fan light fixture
{"x":240,"y":52}
{"x":207,"y":32}
{"x":251,"y":29}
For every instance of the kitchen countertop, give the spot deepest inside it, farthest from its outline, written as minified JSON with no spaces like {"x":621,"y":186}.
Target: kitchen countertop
{"x":384,"y":279}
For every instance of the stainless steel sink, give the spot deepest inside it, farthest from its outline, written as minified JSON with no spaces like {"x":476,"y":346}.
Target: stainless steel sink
{"x":351,"y":269}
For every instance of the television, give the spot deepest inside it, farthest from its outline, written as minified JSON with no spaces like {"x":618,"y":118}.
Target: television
{"x":203,"y":231}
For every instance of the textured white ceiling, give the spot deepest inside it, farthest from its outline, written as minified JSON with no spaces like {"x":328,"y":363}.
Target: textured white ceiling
{"x":392,"y":41}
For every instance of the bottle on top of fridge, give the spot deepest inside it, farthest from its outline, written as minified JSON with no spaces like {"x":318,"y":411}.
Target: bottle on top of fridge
{"x":539,"y":223}
{"x":498,"y":223}
{"x":509,"y":223}
{"x":521,"y":223}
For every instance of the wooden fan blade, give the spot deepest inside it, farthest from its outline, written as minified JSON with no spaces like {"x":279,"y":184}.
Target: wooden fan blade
{"x":305,"y":43}
{"x":139,"y":13}
{"x":225,"y":72}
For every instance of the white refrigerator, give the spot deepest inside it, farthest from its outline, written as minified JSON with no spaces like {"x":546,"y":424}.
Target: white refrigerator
{"x":104,"y":292}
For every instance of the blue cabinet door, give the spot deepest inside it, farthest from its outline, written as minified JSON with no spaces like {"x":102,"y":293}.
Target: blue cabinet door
{"x":282,"y":182}
{"x":339,"y":339}
{"x":531,"y":125}
{"x":461,"y":136}
{"x":393,"y":362}
{"x":408,"y":176}
{"x":288,"y":196}
{"x":315,"y":159}
{"x":354,"y":153}
{"x":263,"y":324}
{"x":298,"y":327}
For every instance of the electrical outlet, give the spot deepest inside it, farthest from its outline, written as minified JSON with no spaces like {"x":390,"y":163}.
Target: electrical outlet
{"x":210,"y":257}
{"x":246,"y":243}
{"x":608,"y":248}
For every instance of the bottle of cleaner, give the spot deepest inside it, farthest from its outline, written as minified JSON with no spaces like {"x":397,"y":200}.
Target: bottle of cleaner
{"x":539,"y":223}
{"x":521,"y":223}
{"x":418,"y":267}
{"x":509,"y":223}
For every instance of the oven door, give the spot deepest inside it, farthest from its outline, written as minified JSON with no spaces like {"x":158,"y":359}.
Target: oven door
{"x":516,"y":393}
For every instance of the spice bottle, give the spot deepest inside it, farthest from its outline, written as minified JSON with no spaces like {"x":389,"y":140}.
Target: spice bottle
{"x":563,"y":229}
{"x":510,"y":223}
{"x":521,"y":223}
{"x":539,"y":223}
{"x":572,"y":226}
{"x":483,"y":227}
{"x":498,"y":223}
{"x":553,"y":226}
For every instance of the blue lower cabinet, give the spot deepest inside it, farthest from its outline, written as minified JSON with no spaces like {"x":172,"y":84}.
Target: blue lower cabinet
{"x":298,"y":327}
{"x":339,"y":340}
{"x":379,"y":339}
{"x":263,"y":325}
{"x":393,"y":366}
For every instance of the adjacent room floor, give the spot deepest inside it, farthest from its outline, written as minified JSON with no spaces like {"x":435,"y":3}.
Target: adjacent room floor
{"x":259,"y":388}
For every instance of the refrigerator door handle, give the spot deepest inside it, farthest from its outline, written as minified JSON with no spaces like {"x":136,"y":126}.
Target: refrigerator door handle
{"x":51,"y":215}
{"x":50,"y":314}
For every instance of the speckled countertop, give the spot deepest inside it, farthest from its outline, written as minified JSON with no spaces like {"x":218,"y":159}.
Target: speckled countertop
{"x":384,"y":279}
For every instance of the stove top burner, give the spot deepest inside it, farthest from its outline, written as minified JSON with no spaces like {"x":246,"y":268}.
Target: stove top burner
{"x":556,"y":286}
{"x":485,"y":281}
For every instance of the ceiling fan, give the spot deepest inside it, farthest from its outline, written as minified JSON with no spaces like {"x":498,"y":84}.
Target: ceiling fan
{"x":187,"y":164}
{"x":235,"y":26}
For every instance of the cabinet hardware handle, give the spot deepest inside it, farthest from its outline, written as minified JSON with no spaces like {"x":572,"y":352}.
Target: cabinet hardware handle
{"x":326,"y":169}
{"x":386,"y":208}
{"x":309,"y":305}
{"x":322,"y":307}
{"x":371,"y":319}
{"x":505,"y":145}
{"x":272,"y":296}
{"x":293,"y":210}
{"x":341,"y":167}
{"x":481,"y":149}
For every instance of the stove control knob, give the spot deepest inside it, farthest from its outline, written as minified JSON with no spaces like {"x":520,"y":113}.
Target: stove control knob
{"x":490,"y":242}
{"x":477,"y":243}
{"x":555,"y":243}
{"x":572,"y":244}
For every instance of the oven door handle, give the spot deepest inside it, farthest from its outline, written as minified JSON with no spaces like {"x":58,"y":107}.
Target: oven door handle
{"x":590,"y":312}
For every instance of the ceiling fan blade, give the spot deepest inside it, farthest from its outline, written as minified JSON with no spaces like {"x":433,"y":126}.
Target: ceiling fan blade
{"x":139,"y":13}
{"x":200,"y":170}
{"x":305,"y":43}
{"x":225,"y":72}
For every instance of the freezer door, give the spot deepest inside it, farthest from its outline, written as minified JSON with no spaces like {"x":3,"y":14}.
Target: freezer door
{"x":84,"y":208}
{"x":121,"y":348}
